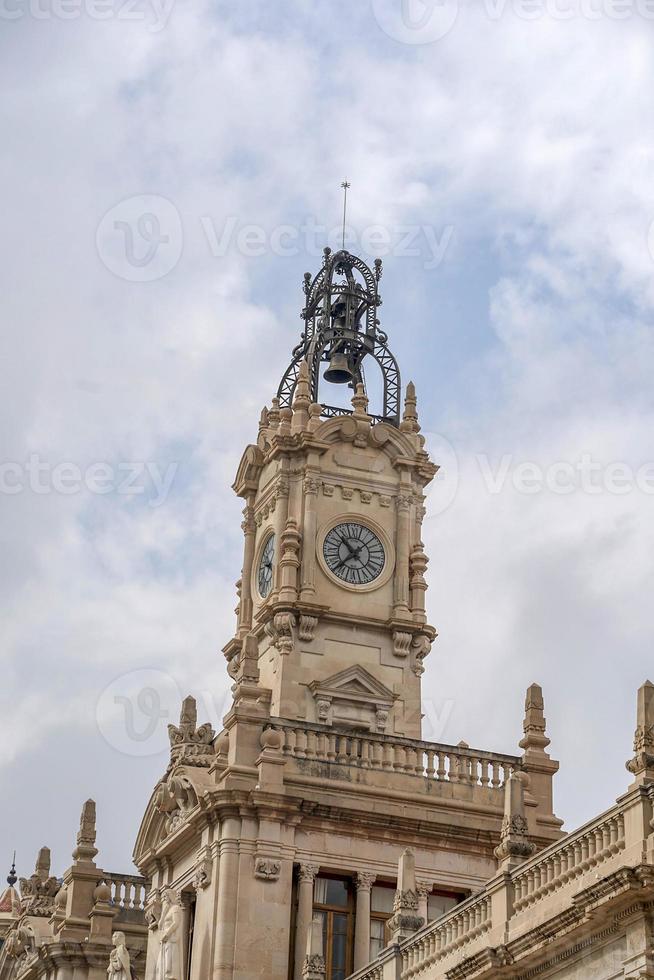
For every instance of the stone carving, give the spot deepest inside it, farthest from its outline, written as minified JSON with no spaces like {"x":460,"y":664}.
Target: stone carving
{"x":406,"y":918}
{"x":308,"y":872}
{"x":307,"y":627}
{"x":365,"y":880}
{"x":202,"y":876}
{"x":323,"y":707}
{"x":281,"y":632}
{"x":347,"y":493}
{"x":20,"y":942}
{"x":328,"y":489}
{"x":514,"y":846}
{"x":188,"y":743}
{"x":401,"y":643}
{"x":381,"y":718}
{"x":366,"y":496}
{"x":267,"y":869}
{"x":176,"y":798}
{"x":119,"y":962}
{"x":421,"y":647}
{"x":310,"y":484}
{"x":384,"y":501}
{"x":152,"y":910}
{"x":37,"y":892}
{"x":314,"y":967}
{"x":169,"y":959}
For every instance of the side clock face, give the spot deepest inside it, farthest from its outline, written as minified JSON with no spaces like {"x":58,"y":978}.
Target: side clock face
{"x":265,"y":572}
{"x":353,"y":553}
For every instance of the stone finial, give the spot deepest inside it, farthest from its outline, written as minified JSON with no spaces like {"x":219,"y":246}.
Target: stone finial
{"x":515,"y":846}
{"x":189,"y":743}
{"x":642,"y":763}
{"x":409,"y":421}
{"x":314,"y":963}
{"x":273,"y":414}
{"x":405,"y":919}
{"x":38,"y":891}
{"x":86,"y":850}
{"x":360,"y":403}
{"x":263,"y":419}
{"x":534,"y":738}
{"x":301,"y":399}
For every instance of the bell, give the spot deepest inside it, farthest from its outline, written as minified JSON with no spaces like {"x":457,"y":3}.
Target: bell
{"x":339,"y":371}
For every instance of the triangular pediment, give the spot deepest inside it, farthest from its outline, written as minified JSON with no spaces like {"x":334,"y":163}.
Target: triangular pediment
{"x":354,"y":681}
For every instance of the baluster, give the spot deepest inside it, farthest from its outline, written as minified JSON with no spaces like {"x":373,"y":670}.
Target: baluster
{"x":311,"y":744}
{"x":300,"y":743}
{"x":400,"y":756}
{"x":440,"y":771}
{"x":331,"y":750}
{"x":420,"y":762}
{"x":387,"y":755}
{"x":485,"y":779}
{"x":496,"y":782}
{"x":292,"y":739}
{"x":452,"y":767}
{"x":365,"y":753}
{"x":429,"y":770}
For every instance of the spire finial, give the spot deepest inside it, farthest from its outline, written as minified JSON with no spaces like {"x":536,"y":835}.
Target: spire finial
{"x":344,"y":184}
{"x":12,"y":878}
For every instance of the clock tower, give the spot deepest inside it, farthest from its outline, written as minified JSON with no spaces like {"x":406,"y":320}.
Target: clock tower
{"x":331,"y":616}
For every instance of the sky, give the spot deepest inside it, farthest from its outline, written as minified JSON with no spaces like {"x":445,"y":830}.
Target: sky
{"x":169,"y":170}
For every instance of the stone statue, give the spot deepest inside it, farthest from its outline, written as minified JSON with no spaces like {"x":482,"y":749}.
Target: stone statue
{"x":169,"y":961}
{"x":119,"y":964}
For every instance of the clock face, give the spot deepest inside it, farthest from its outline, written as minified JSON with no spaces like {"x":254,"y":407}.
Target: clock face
{"x":353,"y":553}
{"x":265,"y":572}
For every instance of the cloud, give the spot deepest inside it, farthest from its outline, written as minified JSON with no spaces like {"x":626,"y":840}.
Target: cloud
{"x":532,"y":338}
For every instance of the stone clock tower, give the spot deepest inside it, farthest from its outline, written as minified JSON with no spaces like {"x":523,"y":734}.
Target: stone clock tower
{"x":273,"y":845}
{"x":333,"y":586}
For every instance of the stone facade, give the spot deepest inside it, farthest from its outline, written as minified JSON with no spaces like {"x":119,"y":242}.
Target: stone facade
{"x":318,"y":828}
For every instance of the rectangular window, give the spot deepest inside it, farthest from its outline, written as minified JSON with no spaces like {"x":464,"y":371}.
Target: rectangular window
{"x":333,"y":900}
{"x":439,"y":903}
{"x":381,"y":909}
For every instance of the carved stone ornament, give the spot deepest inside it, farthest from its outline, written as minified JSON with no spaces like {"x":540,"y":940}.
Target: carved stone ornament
{"x":37,"y":893}
{"x":281,"y":632}
{"x":203,"y":870}
{"x":267,"y":869}
{"x":405,"y":916}
{"x":401,"y":643}
{"x":314,"y":967}
{"x":152,"y":910}
{"x":189,"y":743}
{"x":20,"y":942}
{"x":176,"y":797}
{"x":307,"y":627}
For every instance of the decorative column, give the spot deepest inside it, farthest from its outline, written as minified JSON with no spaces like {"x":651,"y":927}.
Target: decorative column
{"x":423,"y":889}
{"x":405,"y":919}
{"x":306,"y":876}
{"x":364,"y":882}
{"x":310,"y":486}
{"x":227,"y":898}
{"x":249,"y":530}
{"x":401,"y":596}
{"x":282,"y":491}
{"x":642,"y":764}
{"x":314,"y":963}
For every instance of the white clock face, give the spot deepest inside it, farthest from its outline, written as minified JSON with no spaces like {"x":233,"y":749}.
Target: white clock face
{"x":265,"y":570}
{"x":353,"y":553}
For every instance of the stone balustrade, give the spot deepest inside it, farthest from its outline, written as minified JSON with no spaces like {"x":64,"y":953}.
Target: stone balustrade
{"x":128,"y":894}
{"x":459,"y":927}
{"x":389,"y":753}
{"x":568,"y":860}
{"x":528,"y":896}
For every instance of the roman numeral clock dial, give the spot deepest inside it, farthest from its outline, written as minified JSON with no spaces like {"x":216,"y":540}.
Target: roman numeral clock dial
{"x":265,"y":570}
{"x":353,"y":553}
